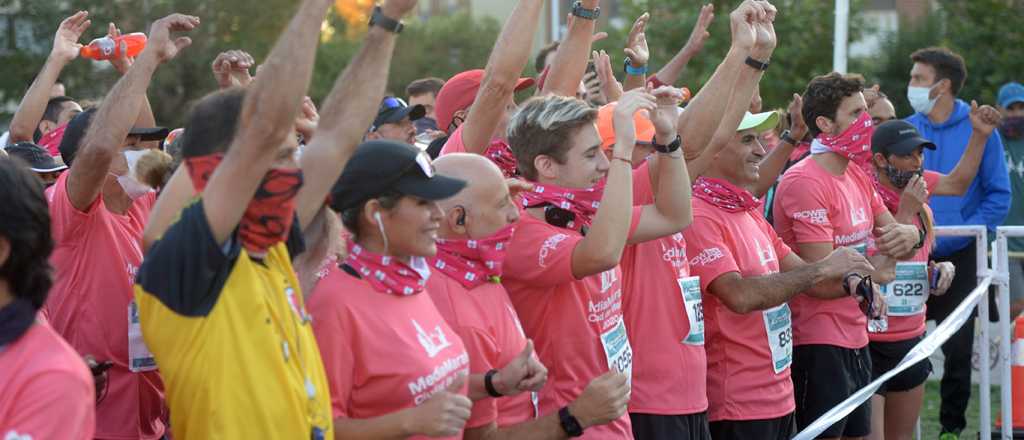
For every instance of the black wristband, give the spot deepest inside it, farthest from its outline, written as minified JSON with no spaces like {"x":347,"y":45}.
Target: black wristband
{"x":489,"y":384}
{"x":846,"y":282}
{"x":570,"y":425}
{"x":785,"y":137}
{"x":759,"y":65}
{"x":672,"y":147}
{"x":384,"y":22}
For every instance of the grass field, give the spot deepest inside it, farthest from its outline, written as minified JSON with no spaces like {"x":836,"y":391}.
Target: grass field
{"x":930,"y":426}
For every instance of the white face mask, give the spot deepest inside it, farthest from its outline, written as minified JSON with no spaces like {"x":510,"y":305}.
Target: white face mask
{"x":919,"y":99}
{"x":128,"y":182}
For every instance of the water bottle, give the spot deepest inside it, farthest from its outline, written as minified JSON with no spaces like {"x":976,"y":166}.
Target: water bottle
{"x":107,"y":48}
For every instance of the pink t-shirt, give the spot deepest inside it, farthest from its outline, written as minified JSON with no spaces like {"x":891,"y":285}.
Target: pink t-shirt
{"x":490,"y":329}
{"x":911,"y":326}
{"x":568,"y":319}
{"x":669,"y":364}
{"x":47,"y":390}
{"x":814,"y":206}
{"x":743,"y":355}
{"x":454,"y":143}
{"x":382,"y":353}
{"x":96,"y":257}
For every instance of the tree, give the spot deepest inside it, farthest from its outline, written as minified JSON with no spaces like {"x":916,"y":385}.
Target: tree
{"x":984,"y":32}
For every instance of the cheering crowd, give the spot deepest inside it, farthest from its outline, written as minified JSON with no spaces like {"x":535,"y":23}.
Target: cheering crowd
{"x":604,"y":259}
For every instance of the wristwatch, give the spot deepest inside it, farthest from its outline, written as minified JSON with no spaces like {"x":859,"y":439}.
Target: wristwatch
{"x":759,"y":65}
{"x":384,"y":22}
{"x":570,"y":425}
{"x":921,"y":238}
{"x":489,"y":384}
{"x":672,"y":147}
{"x":785,"y":137}
{"x":587,"y":14}
{"x":635,"y":71}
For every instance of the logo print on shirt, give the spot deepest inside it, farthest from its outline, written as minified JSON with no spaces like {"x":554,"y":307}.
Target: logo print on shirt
{"x":764,"y":255}
{"x":434,"y":342}
{"x":608,"y":278}
{"x":857,"y":215}
{"x":816,"y":216}
{"x":707,"y":256}
{"x":549,"y":245}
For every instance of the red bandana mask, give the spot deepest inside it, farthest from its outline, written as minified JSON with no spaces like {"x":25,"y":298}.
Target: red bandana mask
{"x":51,"y":141}
{"x":583,"y":203}
{"x":501,"y":154}
{"x":268,"y":218}
{"x":724,"y":195}
{"x":854,"y":143}
{"x":473,"y":262}
{"x":386,"y":274}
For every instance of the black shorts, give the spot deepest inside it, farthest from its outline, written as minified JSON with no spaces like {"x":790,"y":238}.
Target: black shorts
{"x":886,"y":355}
{"x":664,"y":427}
{"x":780,"y":428}
{"x":823,"y":377}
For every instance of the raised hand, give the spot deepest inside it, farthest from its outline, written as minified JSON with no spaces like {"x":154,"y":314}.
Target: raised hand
{"x":872,"y":94}
{"x":306,"y":122}
{"x":65,"y":41}
{"x":602,"y":401}
{"x":700,"y":33}
{"x":610,"y":86}
{"x":766,"y":40}
{"x":636,"y":45}
{"x":984,"y":119}
{"x":231,"y":68}
{"x":914,"y":196}
{"x":622,"y":118}
{"x":445,"y":413}
{"x":122,"y":62}
{"x":797,"y":125}
{"x":398,"y":8}
{"x":741,"y":24}
{"x":161,"y":44}
{"x":665,"y":115}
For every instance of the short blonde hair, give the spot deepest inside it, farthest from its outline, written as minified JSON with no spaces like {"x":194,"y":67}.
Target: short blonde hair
{"x":543,"y":126}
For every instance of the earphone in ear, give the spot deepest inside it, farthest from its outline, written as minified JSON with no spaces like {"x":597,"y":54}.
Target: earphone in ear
{"x":376,"y":216}
{"x":384,"y":235}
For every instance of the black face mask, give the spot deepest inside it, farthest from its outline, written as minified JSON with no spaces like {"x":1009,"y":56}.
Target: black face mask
{"x":1013,"y":127}
{"x":898,"y":177}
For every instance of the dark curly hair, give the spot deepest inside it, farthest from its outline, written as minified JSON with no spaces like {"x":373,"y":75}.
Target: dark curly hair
{"x":25,"y":225}
{"x":947,"y":64}
{"x":825,"y":93}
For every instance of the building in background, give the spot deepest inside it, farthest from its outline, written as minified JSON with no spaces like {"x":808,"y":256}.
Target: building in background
{"x":885,"y":18}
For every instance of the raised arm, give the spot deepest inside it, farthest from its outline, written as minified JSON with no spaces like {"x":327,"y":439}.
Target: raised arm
{"x":33,"y":105}
{"x":347,"y":112}
{"x":984,"y":120}
{"x":511,"y":53}
{"x":146,"y":119}
{"x":120,"y":109}
{"x":570,"y":61}
{"x":670,"y":73}
{"x":706,"y":109}
{"x":772,"y":165}
{"x":672,"y":211}
{"x":267,"y":118}
{"x":637,"y":54}
{"x":602,"y":247}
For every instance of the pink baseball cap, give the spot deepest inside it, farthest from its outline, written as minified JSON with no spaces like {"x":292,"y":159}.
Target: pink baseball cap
{"x":459,"y":92}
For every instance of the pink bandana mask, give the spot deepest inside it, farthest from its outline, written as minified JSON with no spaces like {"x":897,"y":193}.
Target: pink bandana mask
{"x":51,"y":141}
{"x":724,"y":195}
{"x":473,"y":262}
{"x":854,"y":143}
{"x":386,"y":274}
{"x":501,"y":154}
{"x":583,"y":203}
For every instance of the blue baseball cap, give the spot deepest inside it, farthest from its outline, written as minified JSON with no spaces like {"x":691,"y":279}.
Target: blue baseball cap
{"x":1010,"y":93}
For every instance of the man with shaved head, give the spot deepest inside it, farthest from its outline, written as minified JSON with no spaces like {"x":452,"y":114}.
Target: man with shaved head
{"x":466,"y":288}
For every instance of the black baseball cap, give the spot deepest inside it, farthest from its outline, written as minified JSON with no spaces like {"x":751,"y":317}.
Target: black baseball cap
{"x":79,"y":125}
{"x":898,"y":137}
{"x":381,"y":166}
{"x":37,"y":158}
{"x":394,"y":109}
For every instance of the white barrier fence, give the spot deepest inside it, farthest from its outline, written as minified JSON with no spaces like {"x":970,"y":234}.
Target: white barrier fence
{"x":978,"y":297}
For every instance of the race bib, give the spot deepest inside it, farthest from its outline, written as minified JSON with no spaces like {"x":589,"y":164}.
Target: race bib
{"x":907,"y":294}
{"x":690,"y":289}
{"x":618,"y":350}
{"x":861,"y":248}
{"x":139,"y":357}
{"x":777,"y":324}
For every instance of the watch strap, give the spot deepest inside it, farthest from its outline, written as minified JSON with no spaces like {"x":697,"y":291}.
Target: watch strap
{"x":635,"y":71}
{"x":759,"y":65}
{"x":570,"y":425}
{"x":384,"y":22}
{"x":587,"y":14}
{"x":787,"y":138}
{"x":489,"y":384}
{"x":672,"y":147}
